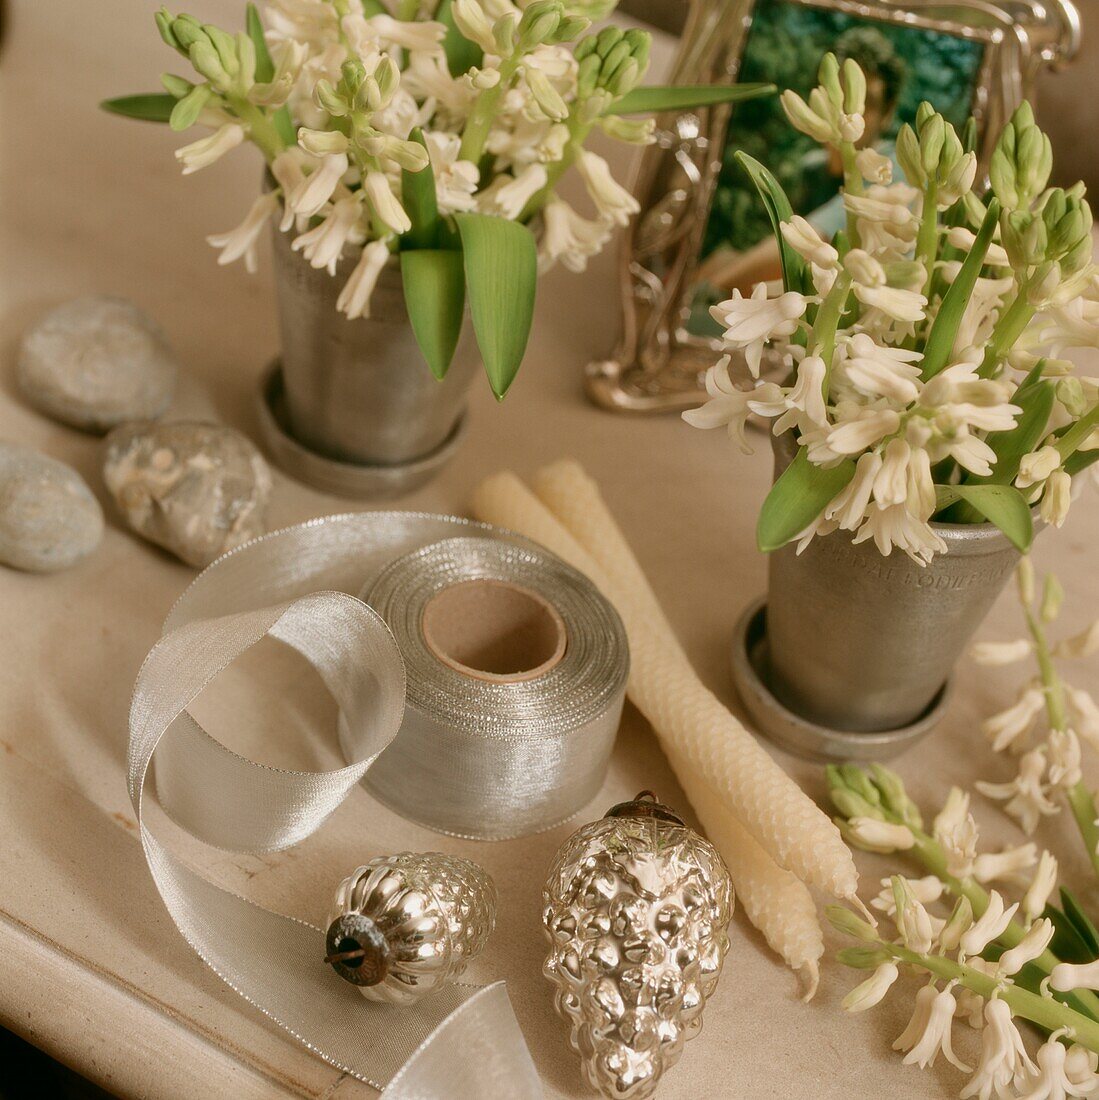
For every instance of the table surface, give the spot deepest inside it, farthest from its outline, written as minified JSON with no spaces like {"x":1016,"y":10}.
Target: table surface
{"x":93,"y":970}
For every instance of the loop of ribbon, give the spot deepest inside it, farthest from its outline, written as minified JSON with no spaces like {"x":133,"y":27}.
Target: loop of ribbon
{"x":461,"y":1043}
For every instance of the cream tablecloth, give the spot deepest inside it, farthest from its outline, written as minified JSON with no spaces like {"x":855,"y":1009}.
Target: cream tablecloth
{"x":91,"y":968}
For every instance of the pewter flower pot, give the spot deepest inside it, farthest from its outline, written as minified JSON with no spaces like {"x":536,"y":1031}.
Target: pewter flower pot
{"x":861,"y":642}
{"x":359,"y":391}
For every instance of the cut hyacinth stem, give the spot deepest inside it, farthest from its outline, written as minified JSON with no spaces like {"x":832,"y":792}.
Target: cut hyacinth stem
{"x":1043,"y":1011}
{"x":896,"y":808}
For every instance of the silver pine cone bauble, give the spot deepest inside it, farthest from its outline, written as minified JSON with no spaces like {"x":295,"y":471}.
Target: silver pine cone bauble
{"x":635,"y":908}
{"x":404,"y":925}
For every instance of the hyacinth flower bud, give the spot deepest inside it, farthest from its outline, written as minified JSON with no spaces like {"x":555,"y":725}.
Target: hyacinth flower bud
{"x":246,"y":55}
{"x":908,"y":156}
{"x":828,"y":77}
{"x":187,"y":30}
{"x":854,"y":88}
{"x":208,"y":64}
{"x":607,"y":39}
{"x":504,"y":34}
{"x":175,"y":85}
{"x":851,"y":804}
{"x":539,"y":23}
{"x":571,"y":27}
{"x":321,"y":143}
{"x":851,"y":924}
{"x":328,"y":99}
{"x":894,"y":796}
{"x":164,"y":20}
{"x":546,"y":95}
{"x":587,"y":75}
{"x":932,"y":137}
{"x":352,"y":74}
{"x":387,"y":76}
{"x":187,"y":109}
{"x":226,"y":47}
{"x":856,"y":780}
{"x":1043,"y":283}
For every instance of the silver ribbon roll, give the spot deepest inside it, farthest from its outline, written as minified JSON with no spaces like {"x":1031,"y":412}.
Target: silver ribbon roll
{"x":460,"y":1044}
{"x":517,"y":670}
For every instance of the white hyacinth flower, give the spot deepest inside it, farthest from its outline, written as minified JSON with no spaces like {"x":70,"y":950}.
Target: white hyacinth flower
{"x":862,"y":430}
{"x":1003,"y":1055}
{"x":288,"y":173}
{"x":1056,"y":499}
{"x":993,"y":654}
{"x":570,"y":238}
{"x":508,"y":196}
{"x":926,"y":890}
{"x":929,"y":1031}
{"x":1079,"y":645}
{"x":1036,"y":466}
{"x":354,"y":299}
{"x":204,"y":152}
{"x":871,"y":287}
{"x":877,"y":370}
{"x":989,"y":926}
{"x":1026,"y":795}
{"x":456,"y":180}
{"x":728,"y":405}
{"x":241,"y":241}
{"x":808,"y":243}
{"x":913,"y":921}
{"x":1084,"y":714}
{"x":323,"y":245}
{"x":750,"y":323}
{"x":386,"y":206}
{"x":1029,"y":948}
{"x":1041,"y":887}
{"x":891,"y":484}
{"x":1005,"y":866}
{"x":873,"y":166}
{"x":870,"y":992}
{"x":421,"y":36}
{"x":802,"y":406}
{"x":956,"y":831}
{"x":314,"y":190}
{"x":1080,"y":1068}
{"x":896,"y":526}
{"x":1050,"y":1080}
{"x":1010,"y":726}
{"x":885,"y":218}
{"x":964,"y":239}
{"x":1065,"y":977}
{"x":611,"y":199}
{"x":848,"y":507}
{"x":1063,"y":747}
{"x":880,"y":836}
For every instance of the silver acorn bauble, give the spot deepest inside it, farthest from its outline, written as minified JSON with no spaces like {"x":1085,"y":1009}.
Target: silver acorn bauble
{"x":404,"y":925}
{"x":635,"y":908}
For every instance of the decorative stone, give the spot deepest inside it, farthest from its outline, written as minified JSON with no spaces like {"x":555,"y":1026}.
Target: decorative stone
{"x":95,"y":363}
{"x":49,"y":519}
{"x":196,"y":489}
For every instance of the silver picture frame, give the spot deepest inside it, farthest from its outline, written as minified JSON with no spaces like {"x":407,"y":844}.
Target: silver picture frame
{"x":657,"y":365}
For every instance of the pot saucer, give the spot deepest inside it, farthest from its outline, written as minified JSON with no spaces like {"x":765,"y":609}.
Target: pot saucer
{"x":798,"y":735}
{"x":331,"y":475}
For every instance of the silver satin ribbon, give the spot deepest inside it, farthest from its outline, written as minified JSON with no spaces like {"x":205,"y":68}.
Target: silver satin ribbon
{"x":491,"y":760}
{"x":463,"y":1043}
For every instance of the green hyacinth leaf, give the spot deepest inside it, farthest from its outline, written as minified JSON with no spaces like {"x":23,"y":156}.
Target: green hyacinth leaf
{"x":1002,"y":505}
{"x":797,"y":498}
{"x":944,"y":329}
{"x":418,"y":199}
{"x":658,"y":98}
{"x":501,"y":269}
{"x":435,"y":294}
{"x":148,"y":107}
{"x":795,"y":272}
